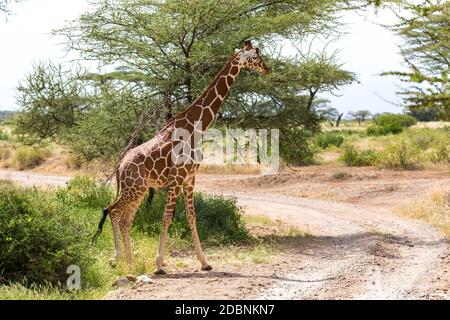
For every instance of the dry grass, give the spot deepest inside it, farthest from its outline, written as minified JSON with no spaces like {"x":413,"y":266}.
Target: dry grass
{"x":433,"y":208}
{"x":432,"y":124}
{"x":229,"y":169}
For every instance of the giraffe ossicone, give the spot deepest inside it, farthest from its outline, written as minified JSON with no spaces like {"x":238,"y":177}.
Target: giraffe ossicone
{"x":155,"y":164}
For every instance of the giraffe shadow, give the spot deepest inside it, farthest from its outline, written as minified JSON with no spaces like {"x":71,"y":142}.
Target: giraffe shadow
{"x":316,"y":247}
{"x":232,"y":275}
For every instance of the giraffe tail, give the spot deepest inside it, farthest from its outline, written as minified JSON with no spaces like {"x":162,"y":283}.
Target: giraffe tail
{"x":100,"y":225}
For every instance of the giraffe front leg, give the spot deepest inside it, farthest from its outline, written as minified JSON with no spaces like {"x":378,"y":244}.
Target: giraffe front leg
{"x":167,"y":220}
{"x":190,"y":212}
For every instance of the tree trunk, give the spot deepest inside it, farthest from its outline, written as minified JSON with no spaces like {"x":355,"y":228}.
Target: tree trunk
{"x":338,"y":120}
{"x":188,"y":81}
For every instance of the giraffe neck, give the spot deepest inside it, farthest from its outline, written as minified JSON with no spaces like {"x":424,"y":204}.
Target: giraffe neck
{"x":205,"y":108}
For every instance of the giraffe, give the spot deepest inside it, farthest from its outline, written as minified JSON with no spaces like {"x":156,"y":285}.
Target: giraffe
{"x":151,"y":165}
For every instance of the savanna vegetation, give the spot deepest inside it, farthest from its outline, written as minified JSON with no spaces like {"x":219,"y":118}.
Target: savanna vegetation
{"x":42,"y":233}
{"x":156,"y":57}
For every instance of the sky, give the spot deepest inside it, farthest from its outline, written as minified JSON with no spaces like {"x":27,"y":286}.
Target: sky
{"x":366,"y":49}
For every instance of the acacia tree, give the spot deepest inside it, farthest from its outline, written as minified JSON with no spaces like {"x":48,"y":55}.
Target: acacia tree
{"x":5,"y":5}
{"x":424,"y":28}
{"x":170,"y":50}
{"x":360,"y":115}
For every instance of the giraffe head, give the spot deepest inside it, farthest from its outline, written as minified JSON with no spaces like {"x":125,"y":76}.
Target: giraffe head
{"x":249,"y":58}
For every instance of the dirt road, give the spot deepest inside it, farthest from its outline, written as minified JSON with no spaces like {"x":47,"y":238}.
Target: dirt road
{"x":356,"y":252}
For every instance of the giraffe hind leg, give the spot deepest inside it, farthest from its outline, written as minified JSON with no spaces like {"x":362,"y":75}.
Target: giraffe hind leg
{"x":167,"y":220}
{"x":116,"y":211}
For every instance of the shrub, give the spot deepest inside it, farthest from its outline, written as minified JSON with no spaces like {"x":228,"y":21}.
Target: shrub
{"x":390,"y":123}
{"x":39,"y":238}
{"x":86,"y":192}
{"x":440,"y":154}
{"x":4,"y":136}
{"x":328,"y":139}
{"x":402,"y":120}
{"x":30,"y":157}
{"x":374,"y":130}
{"x":219,"y":219}
{"x":341,"y":176}
{"x":296,"y":147}
{"x":74,"y":161}
{"x":354,"y":157}
{"x":401,"y":154}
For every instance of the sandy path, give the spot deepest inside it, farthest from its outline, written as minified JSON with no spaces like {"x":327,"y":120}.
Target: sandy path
{"x":356,"y":253}
{"x":364,"y":253}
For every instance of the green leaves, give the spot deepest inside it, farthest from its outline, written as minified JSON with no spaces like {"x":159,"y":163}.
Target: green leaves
{"x":425,"y":49}
{"x":171,"y":50}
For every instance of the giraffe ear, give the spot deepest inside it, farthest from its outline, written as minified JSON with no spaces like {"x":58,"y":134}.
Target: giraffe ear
{"x":248,"y":45}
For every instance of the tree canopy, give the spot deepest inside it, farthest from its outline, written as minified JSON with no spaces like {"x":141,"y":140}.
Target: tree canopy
{"x":424,"y":27}
{"x":169,"y":51}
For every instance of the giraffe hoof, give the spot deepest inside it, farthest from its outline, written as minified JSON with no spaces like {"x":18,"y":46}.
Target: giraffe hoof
{"x":207,"y":268}
{"x":160,"y":272}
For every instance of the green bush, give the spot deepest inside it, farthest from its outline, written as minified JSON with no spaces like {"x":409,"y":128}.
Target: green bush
{"x":4,"y":136}
{"x":374,"y":130}
{"x":403,"y":120}
{"x":390,"y":123}
{"x":219,"y":219}
{"x":354,"y":157}
{"x":44,"y":232}
{"x":329,"y":139}
{"x":30,"y":157}
{"x":401,"y":154}
{"x":441,"y":153}
{"x":86,"y":192}
{"x":39,"y":238}
{"x":296,"y":147}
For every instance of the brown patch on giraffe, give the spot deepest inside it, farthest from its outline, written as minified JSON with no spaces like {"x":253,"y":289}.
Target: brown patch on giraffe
{"x":153,"y":175}
{"x":210,"y":97}
{"x":129,"y":182}
{"x":181,"y":123}
{"x":160,"y":164}
{"x":229,"y":81}
{"x":142,"y":169}
{"x":222,"y":87}
{"x":194,"y":113}
{"x":149,"y":163}
{"x":216,"y":104}
{"x":207,"y":118}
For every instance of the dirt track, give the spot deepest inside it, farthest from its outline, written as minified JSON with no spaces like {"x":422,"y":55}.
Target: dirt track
{"x":356,"y":252}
